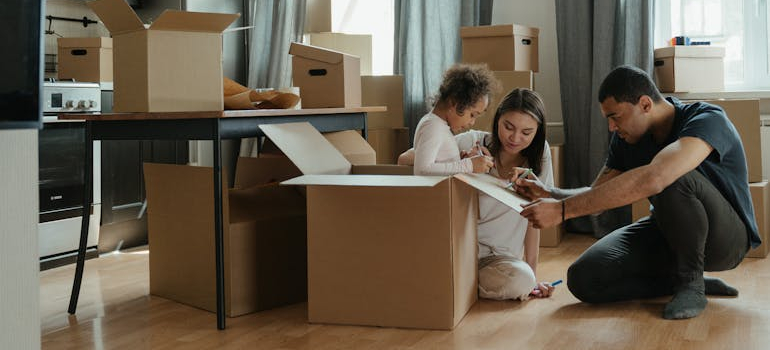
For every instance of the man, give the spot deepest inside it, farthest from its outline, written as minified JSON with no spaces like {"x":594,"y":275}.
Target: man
{"x":689,"y":161}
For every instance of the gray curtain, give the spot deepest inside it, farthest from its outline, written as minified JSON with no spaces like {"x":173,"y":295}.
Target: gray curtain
{"x":595,"y":36}
{"x":427,"y":42}
{"x":276,"y":24}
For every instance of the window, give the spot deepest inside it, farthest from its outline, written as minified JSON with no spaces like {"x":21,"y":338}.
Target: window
{"x":373,"y":17}
{"x":738,"y":25}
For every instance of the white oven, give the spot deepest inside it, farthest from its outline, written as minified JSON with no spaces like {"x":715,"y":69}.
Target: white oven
{"x":61,"y":162}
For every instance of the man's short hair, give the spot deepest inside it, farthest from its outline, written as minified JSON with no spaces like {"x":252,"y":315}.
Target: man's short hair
{"x":628,"y":84}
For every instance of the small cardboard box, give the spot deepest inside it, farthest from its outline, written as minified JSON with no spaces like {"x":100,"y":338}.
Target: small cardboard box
{"x":326,"y":78}
{"x":85,"y":59}
{"x":551,"y":237}
{"x":690,"y":68}
{"x":745,"y":116}
{"x":509,"y":80}
{"x":383,"y":90}
{"x":760,"y":198}
{"x":174,"y":65}
{"x":388,"y":143}
{"x":352,"y":44}
{"x":385,"y":250}
{"x":501,"y":47}
{"x":264,"y":236}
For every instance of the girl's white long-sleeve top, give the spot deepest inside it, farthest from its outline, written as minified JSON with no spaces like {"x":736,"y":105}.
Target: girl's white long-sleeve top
{"x":435,"y":150}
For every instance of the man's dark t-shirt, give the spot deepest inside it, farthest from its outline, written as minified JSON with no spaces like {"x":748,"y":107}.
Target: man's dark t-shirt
{"x":725,"y":167}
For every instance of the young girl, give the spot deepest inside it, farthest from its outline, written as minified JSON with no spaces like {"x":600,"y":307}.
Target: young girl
{"x":463,"y":95}
{"x":508,"y":244}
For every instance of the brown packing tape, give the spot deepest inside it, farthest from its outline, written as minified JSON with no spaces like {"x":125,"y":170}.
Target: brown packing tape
{"x":238,"y":101}
{"x":230,"y":87}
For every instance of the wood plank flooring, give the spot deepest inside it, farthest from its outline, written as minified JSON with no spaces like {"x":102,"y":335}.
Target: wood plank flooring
{"x":116,"y":312}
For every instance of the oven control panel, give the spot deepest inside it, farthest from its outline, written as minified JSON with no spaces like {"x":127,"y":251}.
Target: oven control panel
{"x":71,"y":97}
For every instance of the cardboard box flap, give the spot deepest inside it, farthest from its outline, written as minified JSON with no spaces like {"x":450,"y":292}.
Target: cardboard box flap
{"x":105,"y":43}
{"x":116,"y":15}
{"x":690,"y":51}
{"x":193,"y":21}
{"x":498,"y":30}
{"x":367,"y":180}
{"x":317,"y":53}
{"x":307,"y":148}
{"x":352,"y":146}
{"x":494,"y":187}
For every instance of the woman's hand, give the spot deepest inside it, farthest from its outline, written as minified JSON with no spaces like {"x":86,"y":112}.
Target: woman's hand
{"x":482,"y":164}
{"x":542,"y":290}
{"x":528,"y":185}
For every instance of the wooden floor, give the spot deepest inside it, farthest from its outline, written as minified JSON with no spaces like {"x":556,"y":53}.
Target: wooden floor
{"x":116,"y":312}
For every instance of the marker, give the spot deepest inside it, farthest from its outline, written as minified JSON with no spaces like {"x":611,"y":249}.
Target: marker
{"x":478,"y":148}
{"x":556,"y":283}
{"x":521,"y":176}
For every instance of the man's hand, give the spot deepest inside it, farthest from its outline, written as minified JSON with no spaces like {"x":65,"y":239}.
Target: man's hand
{"x":543,"y":213}
{"x":529,"y":186}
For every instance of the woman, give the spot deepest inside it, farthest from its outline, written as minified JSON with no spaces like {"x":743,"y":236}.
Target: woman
{"x":508,"y":244}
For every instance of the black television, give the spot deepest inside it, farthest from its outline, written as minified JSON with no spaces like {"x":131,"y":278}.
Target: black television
{"x":21,"y":64}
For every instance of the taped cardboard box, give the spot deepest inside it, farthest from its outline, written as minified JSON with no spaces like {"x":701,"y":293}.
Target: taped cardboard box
{"x":509,"y":80}
{"x":744,"y":114}
{"x":388,"y":143}
{"x":264,"y":236}
{"x":385,"y":250}
{"x":502,"y":47}
{"x":760,"y":198}
{"x":359,"y":45}
{"x":326,"y":78}
{"x":174,"y":65}
{"x":384,"y":90}
{"x":690,"y":68}
{"x":85,"y":59}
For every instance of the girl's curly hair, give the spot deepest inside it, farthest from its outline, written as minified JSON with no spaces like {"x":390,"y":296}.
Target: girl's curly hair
{"x":465,"y":84}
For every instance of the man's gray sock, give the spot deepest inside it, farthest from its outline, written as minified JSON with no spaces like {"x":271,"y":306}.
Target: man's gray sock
{"x":688,"y":301}
{"x":716,"y":286}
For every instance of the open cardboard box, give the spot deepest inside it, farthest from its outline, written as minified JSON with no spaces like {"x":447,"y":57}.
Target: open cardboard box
{"x":264,"y":236}
{"x":385,"y":250}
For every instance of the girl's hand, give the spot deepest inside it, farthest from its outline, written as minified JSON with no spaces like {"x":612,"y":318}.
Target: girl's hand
{"x":542,"y":290}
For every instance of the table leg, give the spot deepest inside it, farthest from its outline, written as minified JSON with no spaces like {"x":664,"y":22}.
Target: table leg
{"x":88,"y":173}
{"x":218,"y":232}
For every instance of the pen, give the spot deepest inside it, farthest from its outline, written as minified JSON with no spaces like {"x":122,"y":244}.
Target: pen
{"x":556,"y":283}
{"x":521,"y":176}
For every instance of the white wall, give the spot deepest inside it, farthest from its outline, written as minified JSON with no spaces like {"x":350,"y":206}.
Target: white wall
{"x":540,"y":14}
{"x":19,"y":265}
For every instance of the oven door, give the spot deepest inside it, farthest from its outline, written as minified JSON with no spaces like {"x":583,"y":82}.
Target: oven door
{"x":61,"y":151}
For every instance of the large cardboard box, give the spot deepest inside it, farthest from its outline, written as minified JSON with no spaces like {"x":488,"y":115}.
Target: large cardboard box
{"x":690,"y":68}
{"x":551,"y":237}
{"x":359,"y":45}
{"x":264,"y":236}
{"x":383,"y":90}
{"x":318,"y":16}
{"x":326,"y":78}
{"x":85,"y":59}
{"x":388,"y":143}
{"x":501,"y":47}
{"x":385,"y":250}
{"x":174,"y":65}
{"x":760,"y":198}
{"x":745,"y":116}
{"x":509,"y":80}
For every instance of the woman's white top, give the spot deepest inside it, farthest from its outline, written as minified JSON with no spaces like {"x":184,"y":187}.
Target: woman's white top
{"x":501,"y":230}
{"x":435,"y":149}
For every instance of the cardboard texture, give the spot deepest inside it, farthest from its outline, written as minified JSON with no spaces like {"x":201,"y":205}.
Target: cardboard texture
{"x":359,"y":45}
{"x":85,"y":59}
{"x":318,"y":16}
{"x":383,"y":90}
{"x":640,"y":209}
{"x":760,"y":198}
{"x":326,"y":78}
{"x":509,"y":80}
{"x":502,"y":47}
{"x":174,"y":65}
{"x":360,"y":271}
{"x":264,"y":237}
{"x":551,"y":237}
{"x":388,"y":143}
{"x":354,"y":148}
{"x":690,"y":68}
{"x":745,"y":116}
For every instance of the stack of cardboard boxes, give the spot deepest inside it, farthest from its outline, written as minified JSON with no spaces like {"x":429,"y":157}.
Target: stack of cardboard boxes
{"x":744,"y":114}
{"x":511,"y":52}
